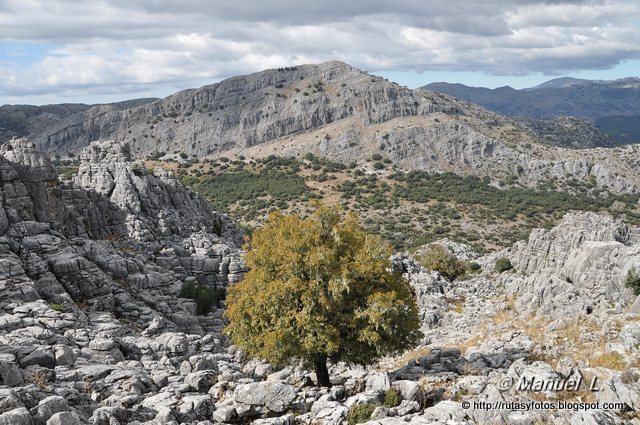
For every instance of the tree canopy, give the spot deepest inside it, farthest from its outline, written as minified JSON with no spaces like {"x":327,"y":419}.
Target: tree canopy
{"x":320,"y":289}
{"x":440,"y":259}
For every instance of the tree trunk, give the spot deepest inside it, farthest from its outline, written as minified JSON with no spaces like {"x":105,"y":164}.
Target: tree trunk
{"x":322,"y":373}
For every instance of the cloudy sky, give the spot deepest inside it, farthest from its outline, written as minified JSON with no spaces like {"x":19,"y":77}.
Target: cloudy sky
{"x":107,"y":50}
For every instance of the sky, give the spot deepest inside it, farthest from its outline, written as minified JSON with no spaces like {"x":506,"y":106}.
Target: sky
{"x":96,"y":51}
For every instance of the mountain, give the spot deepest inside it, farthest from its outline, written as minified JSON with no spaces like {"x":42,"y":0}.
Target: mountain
{"x":27,"y":120}
{"x":336,"y":111}
{"x":564,"y":82}
{"x":100,"y":324}
{"x":609,"y":104}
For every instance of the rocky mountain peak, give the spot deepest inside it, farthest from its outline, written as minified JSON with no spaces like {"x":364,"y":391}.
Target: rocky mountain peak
{"x":106,"y":152}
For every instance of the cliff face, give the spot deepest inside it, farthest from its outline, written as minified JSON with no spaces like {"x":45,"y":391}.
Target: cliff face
{"x":244,"y":111}
{"x":155,"y":204}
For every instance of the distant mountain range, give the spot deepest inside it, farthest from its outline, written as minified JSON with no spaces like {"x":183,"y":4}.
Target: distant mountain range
{"x":613,"y":106}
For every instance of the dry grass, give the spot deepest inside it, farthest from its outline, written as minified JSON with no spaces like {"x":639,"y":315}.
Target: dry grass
{"x":471,"y":342}
{"x":39,"y":379}
{"x":458,"y":305}
{"x":609,"y":360}
{"x":401,"y":361}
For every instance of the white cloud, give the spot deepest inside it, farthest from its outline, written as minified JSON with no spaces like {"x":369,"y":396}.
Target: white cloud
{"x":127,"y":46}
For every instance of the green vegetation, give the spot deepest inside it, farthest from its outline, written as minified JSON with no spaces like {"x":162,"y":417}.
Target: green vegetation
{"x":474,"y":267}
{"x":503,"y":264}
{"x":360,"y":413}
{"x":624,"y":129}
{"x":206,"y":297}
{"x":392,"y":397}
{"x":66,"y":168}
{"x":66,"y":173}
{"x":274,"y":183}
{"x":440,"y":259}
{"x":633,"y":280}
{"x":137,"y":170}
{"x":57,"y":307}
{"x":319,"y":289}
{"x":406,"y":209}
{"x":420,"y":186}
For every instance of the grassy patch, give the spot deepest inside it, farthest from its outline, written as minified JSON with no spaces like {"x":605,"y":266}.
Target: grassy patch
{"x":360,"y":413}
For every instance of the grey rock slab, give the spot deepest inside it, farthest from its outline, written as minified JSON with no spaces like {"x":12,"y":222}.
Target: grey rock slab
{"x":10,"y":374}
{"x":263,"y":396}
{"x":66,"y":418}
{"x":378,"y":382}
{"x":19,"y":416}
{"x":50,"y":406}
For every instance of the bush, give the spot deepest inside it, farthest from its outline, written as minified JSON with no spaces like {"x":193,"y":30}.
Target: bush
{"x":360,"y":413}
{"x":503,"y":264}
{"x":57,"y":307}
{"x":137,"y":170}
{"x":392,"y":398}
{"x":633,"y":280}
{"x":376,"y":157}
{"x":378,"y":165}
{"x":205,"y":296}
{"x":443,"y":261}
{"x":474,"y":267}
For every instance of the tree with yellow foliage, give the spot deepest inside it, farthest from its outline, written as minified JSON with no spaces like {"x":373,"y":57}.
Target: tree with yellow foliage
{"x":320,"y":289}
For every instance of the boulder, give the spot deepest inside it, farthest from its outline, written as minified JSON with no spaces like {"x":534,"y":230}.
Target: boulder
{"x":263,"y":397}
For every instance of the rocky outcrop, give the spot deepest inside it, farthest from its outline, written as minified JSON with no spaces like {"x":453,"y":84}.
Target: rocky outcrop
{"x":77,"y":286}
{"x":578,"y":267}
{"x":156,"y":205}
{"x":245,"y":111}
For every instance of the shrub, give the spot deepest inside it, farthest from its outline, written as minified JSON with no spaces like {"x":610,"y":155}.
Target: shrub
{"x":438,"y":258}
{"x":376,"y":157}
{"x":360,"y":413}
{"x":378,"y":165}
{"x":205,"y":296}
{"x":137,"y":170}
{"x":633,"y":280}
{"x":57,"y":307}
{"x":503,"y":264}
{"x":474,"y":267}
{"x":392,"y":397}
